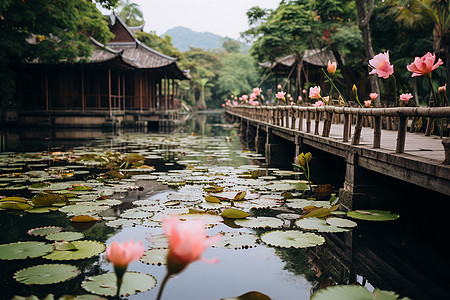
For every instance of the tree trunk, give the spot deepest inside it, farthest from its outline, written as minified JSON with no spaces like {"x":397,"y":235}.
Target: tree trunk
{"x":363,"y":23}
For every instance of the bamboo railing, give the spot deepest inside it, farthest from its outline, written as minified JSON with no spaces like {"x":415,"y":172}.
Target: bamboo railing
{"x":286,"y":116}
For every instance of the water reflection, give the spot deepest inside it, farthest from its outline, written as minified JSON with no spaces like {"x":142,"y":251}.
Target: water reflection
{"x":371,"y":252}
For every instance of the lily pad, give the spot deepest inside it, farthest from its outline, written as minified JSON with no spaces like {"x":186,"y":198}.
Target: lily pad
{"x":260,"y":222}
{"x":250,"y":296}
{"x":292,"y":239}
{"x":136,"y":214}
{"x":46,"y":274}
{"x":42,"y":231}
{"x":24,"y":250}
{"x":85,"y":249}
{"x":353,"y":292}
{"x":105,"y":284}
{"x":13,"y":205}
{"x":237,"y":240}
{"x":155,"y":257}
{"x":41,"y":210}
{"x":318,"y":224}
{"x":233,"y":213}
{"x":341,"y":222}
{"x":65,"y":236}
{"x":372,"y":215}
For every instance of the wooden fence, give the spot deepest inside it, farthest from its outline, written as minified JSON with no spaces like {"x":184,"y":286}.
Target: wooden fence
{"x":287,"y":116}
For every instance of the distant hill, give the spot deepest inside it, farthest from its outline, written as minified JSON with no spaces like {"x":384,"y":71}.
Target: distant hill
{"x":183,"y":38}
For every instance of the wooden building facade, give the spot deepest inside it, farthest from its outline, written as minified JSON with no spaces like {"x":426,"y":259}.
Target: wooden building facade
{"x":124,"y":79}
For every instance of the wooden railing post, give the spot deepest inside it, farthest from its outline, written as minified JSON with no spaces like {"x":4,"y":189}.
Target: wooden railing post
{"x":300,"y":120}
{"x":401,"y":134}
{"x":358,"y":128}
{"x":308,"y":121}
{"x":377,"y":132}
{"x":316,"y":123}
{"x":347,"y":124}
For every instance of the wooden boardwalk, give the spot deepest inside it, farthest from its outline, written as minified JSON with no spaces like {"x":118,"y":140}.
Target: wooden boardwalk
{"x":421,"y":162}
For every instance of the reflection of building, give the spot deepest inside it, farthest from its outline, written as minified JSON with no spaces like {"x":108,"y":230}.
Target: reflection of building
{"x":123,"y":81}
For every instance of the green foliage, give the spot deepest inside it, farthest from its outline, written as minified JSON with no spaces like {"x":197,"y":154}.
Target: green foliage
{"x":160,"y":44}
{"x":131,"y":13}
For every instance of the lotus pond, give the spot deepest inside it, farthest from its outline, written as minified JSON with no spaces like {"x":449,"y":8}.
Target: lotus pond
{"x":63,"y":202}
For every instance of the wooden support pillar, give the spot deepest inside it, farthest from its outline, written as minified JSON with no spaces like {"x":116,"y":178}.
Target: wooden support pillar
{"x":308,"y":122}
{"x":141,"y":106}
{"x":316,"y":123}
{"x":358,"y":128}
{"x":109,"y":93}
{"x":401,"y":135}
{"x":377,"y":132}
{"x":349,"y":196}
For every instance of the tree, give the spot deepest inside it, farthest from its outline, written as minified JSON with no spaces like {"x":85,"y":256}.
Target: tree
{"x":131,"y":13}
{"x":47,"y":31}
{"x":161,"y":44}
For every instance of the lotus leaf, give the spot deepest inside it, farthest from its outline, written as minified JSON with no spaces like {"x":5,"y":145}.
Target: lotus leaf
{"x":353,"y":292}
{"x":233,"y":213}
{"x":372,"y":215}
{"x":212,"y":199}
{"x":250,"y":296}
{"x":47,"y":199}
{"x":260,"y":222}
{"x":292,"y":239}
{"x":124,"y":223}
{"x":85,"y":249}
{"x":84,"y":219}
{"x":65,"y":236}
{"x":318,"y":224}
{"x":155,"y":257}
{"x":46,"y":274}
{"x":207,"y":218}
{"x":64,"y":246}
{"x":136,"y":214}
{"x":341,"y":222}
{"x":237,"y":240}
{"x":15,"y":205}
{"x":240,"y":196}
{"x":320,"y":212}
{"x":105,"y":284}
{"x":14,"y":199}
{"x":41,"y":231}
{"x":24,"y":250}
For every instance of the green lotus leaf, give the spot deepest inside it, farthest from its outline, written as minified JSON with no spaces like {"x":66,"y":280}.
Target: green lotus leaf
{"x":155,"y":257}
{"x":260,"y":222}
{"x":292,"y":239}
{"x":233,"y":213}
{"x":33,"y":297}
{"x":237,"y":240}
{"x":301,"y":203}
{"x":64,"y":246}
{"x":136,"y":214}
{"x":85,"y":249}
{"x":105,"y":284}
{"x":24,"y":250}
{"x":124,"y":223}
{"x":41,"y":231}
{"x":318,"y":224}
{"x":353,"y":292}
{"x":47,"y":199}
{"x":46,"y":274}
{"x":41,"y":210}
{"x":212,"y":199}
{"x":341,"y":222}
{"x":372,"y":215}
{"x":13,"y":205}
{"x":13,"y":199}
{"x":65,"y":236}
{"x":39,"y":186}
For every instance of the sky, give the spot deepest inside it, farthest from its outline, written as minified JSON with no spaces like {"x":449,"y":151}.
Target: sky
{"x":222,"y":17}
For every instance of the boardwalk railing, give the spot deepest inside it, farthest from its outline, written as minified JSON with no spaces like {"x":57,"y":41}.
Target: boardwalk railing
{"x":287,"y":116}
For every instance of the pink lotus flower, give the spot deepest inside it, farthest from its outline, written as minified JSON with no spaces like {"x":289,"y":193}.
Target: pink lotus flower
{"x":253,"y":102}
{"x":319,"y":103}
{"x":326,"y":99}
{"x":121,"y":254}
{"x":424,"y":65}
{"x":280,"y":95}
{"x":253,"y":96}
{"x":406,"y":97}
{"x":300,"y":98}
{"x":373,"y":96}
{"x":235,"y":103}
{"x":381,"y":65}
{"x":279,"y":86}
{"x":257,"y":91}
{"x":187,"y":242}
{"x":244,"y":97}
{"x":442,"y":89}
{"x":314,"y":92}
{"x":332,"y":66}
{"x":367,"y":103}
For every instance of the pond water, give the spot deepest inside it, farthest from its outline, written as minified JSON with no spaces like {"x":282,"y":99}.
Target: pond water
{"x":171,"y":171}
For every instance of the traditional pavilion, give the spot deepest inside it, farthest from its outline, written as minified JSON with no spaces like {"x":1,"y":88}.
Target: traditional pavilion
{"x":122,"y":81}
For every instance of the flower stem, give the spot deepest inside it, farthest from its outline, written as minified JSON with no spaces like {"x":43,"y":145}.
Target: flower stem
{"x":333,"y":85}
{"x":435,"y":99}
{"x":163,"y":284}
{"x":395,"y":90}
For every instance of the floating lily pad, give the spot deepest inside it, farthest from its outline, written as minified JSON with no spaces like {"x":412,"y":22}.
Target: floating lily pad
{"x":84,"y":219}
{"x":124,"y":222}
{"x":292,"y":239}
{"x":105,"y":284}
{"x":42,"y":231}
{"x":13,"y":205}
{"x":41,"y":210}
{"x":155,"y":257}
{"x":65,"y":236}
{"x":260,"y":222}
{"x":301,"y":203}
{"x":353,"y":292}
{"x":136,"y":214}
{"x":372,"y":215}
{"x":24,"y":250}
{"x":250,"y":296}
{"x":233,"y":213}
{"x":46,"y":274}
{"x":237,"y":240}
{"x":318,"y":224}
{"x":341,"y":222}
{"x":85,"y":249}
